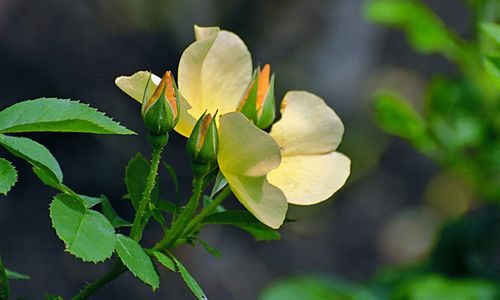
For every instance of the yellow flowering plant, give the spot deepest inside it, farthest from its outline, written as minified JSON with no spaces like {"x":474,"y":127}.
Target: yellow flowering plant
{"x":227,"y":112}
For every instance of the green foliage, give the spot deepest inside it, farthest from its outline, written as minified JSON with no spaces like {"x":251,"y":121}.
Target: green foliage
{"x":173,"y":264}
{"x":86,"y":233}
{"x":459,"y":127}
{"x":34,"y":153}
{"x":136,"y":260}
{"x":246,"y":221}
{"x":189,"y":280}
{"x":51,"y":114}
{"x":8,"y":176}
{"x":425,"y":31}
{"x":166,"y":261}
{"x":315,"y":288}
{"x":492,"y":30}
{"x":396,"y":116}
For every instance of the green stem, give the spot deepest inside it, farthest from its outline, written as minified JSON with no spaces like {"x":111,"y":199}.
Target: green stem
{"x":117,"y":269}
{"x":138,"y":226}
{"x":186,"y":214}
{"x":226,"y":191}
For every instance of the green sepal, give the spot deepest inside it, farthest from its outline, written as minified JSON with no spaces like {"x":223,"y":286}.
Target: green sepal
{"x":203,"y":144}
{"x":262,"y":117}
{"x":250,"y":103}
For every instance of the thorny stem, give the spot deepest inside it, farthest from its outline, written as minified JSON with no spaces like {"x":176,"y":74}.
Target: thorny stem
{"x":226,"y":191}
{"x":138,"y":226}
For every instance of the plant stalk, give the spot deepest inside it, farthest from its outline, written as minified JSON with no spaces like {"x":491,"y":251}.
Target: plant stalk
{"x":191,"y":226}
{"x":138,"y":226}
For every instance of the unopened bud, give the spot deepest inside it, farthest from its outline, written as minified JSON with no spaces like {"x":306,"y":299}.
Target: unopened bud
{"x":258,"y":104}
{"x":203,"y":144}
{"x":160,"y":112}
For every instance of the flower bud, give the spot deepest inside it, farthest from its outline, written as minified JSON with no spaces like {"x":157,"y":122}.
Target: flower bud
{"x":203,"y":144}
{"x":160,"y":112}
{"x":258,"y":104}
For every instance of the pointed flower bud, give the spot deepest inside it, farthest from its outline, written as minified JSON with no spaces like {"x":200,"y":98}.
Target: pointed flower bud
{"x":203,"y":144}
{"x":258,"y":104}
{"x":160,"y":112}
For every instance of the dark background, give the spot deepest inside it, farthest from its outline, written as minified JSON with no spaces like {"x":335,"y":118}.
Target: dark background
{"x":75,"y":49}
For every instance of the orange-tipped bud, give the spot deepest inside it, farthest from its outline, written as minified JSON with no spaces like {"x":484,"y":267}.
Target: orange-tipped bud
{"x":203,"y":144}
{"x":258,"y":104}
{"x":160,"y":112}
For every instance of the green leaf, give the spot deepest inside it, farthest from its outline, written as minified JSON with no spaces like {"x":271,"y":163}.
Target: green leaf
{"x":8,"y":176}
{"x":34,"y":153}
{"x":166,"y":261}
{"x":190,"y":281}
{"x":111,"y":215}
{"x":136,"y":174}
{"x":492,"y":30}
{"x":16,"y":276}
{"x":246,"y":221}
{"x":51,"y":114}
{"x":137,"y":261}
{"x":86,"y":233}
{"x":396,"y":116}
{"x":425,"y":31}
{"x":4,"y":283}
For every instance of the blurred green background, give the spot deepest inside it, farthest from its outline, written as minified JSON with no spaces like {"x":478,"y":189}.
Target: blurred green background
{"x":417,"y":219}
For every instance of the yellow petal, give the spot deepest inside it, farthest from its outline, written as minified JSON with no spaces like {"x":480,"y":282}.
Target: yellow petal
{"x":214,"y":73}
{"x":135,"y":84}
{"x":310,"y":179}
{"x":307,"y":126}
{"x":246,"y":155}
{"x":202,"y":33}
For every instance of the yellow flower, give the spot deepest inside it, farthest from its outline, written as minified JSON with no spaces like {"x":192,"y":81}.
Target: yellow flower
{"x":308,"y":134}
{"x":296,"y":163}
{"x":214,"y":73}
